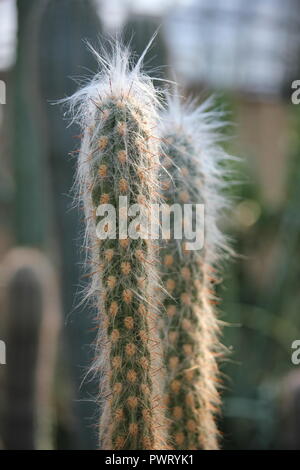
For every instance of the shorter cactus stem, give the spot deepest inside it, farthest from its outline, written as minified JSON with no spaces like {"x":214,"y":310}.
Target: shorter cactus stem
{"x":191,"y":327}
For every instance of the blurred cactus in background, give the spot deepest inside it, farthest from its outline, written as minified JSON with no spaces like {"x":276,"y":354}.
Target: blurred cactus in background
{"x":50,"y":48}
{"x":30,"y":302}
{"x":23,"y":330}
{"x":31,"y":195}
{"x":23,"y":295}
{"x":192,"y":175}
{"x":65,"y":26}
{"x":119,"y":158}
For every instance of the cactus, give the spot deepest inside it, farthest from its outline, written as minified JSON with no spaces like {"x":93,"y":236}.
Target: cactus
{"x":191,"y":175}
{"x":31,"y":309}
{"x":119,"y":157}
{"x":27,"y":142}
{"x":62,"y":54}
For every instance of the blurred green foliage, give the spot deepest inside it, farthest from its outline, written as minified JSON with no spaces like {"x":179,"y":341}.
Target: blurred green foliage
{"x":263,"y":314}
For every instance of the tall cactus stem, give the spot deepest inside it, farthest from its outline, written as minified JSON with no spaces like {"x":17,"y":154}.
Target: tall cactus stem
{"x":119,"y":157}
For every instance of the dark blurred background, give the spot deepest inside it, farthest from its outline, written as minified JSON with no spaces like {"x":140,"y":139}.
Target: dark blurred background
{"x":248,"y":53}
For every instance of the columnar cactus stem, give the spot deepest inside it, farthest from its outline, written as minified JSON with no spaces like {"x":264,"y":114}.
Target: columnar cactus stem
{"x":192,"y":176}
{"x":119,"y":157}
